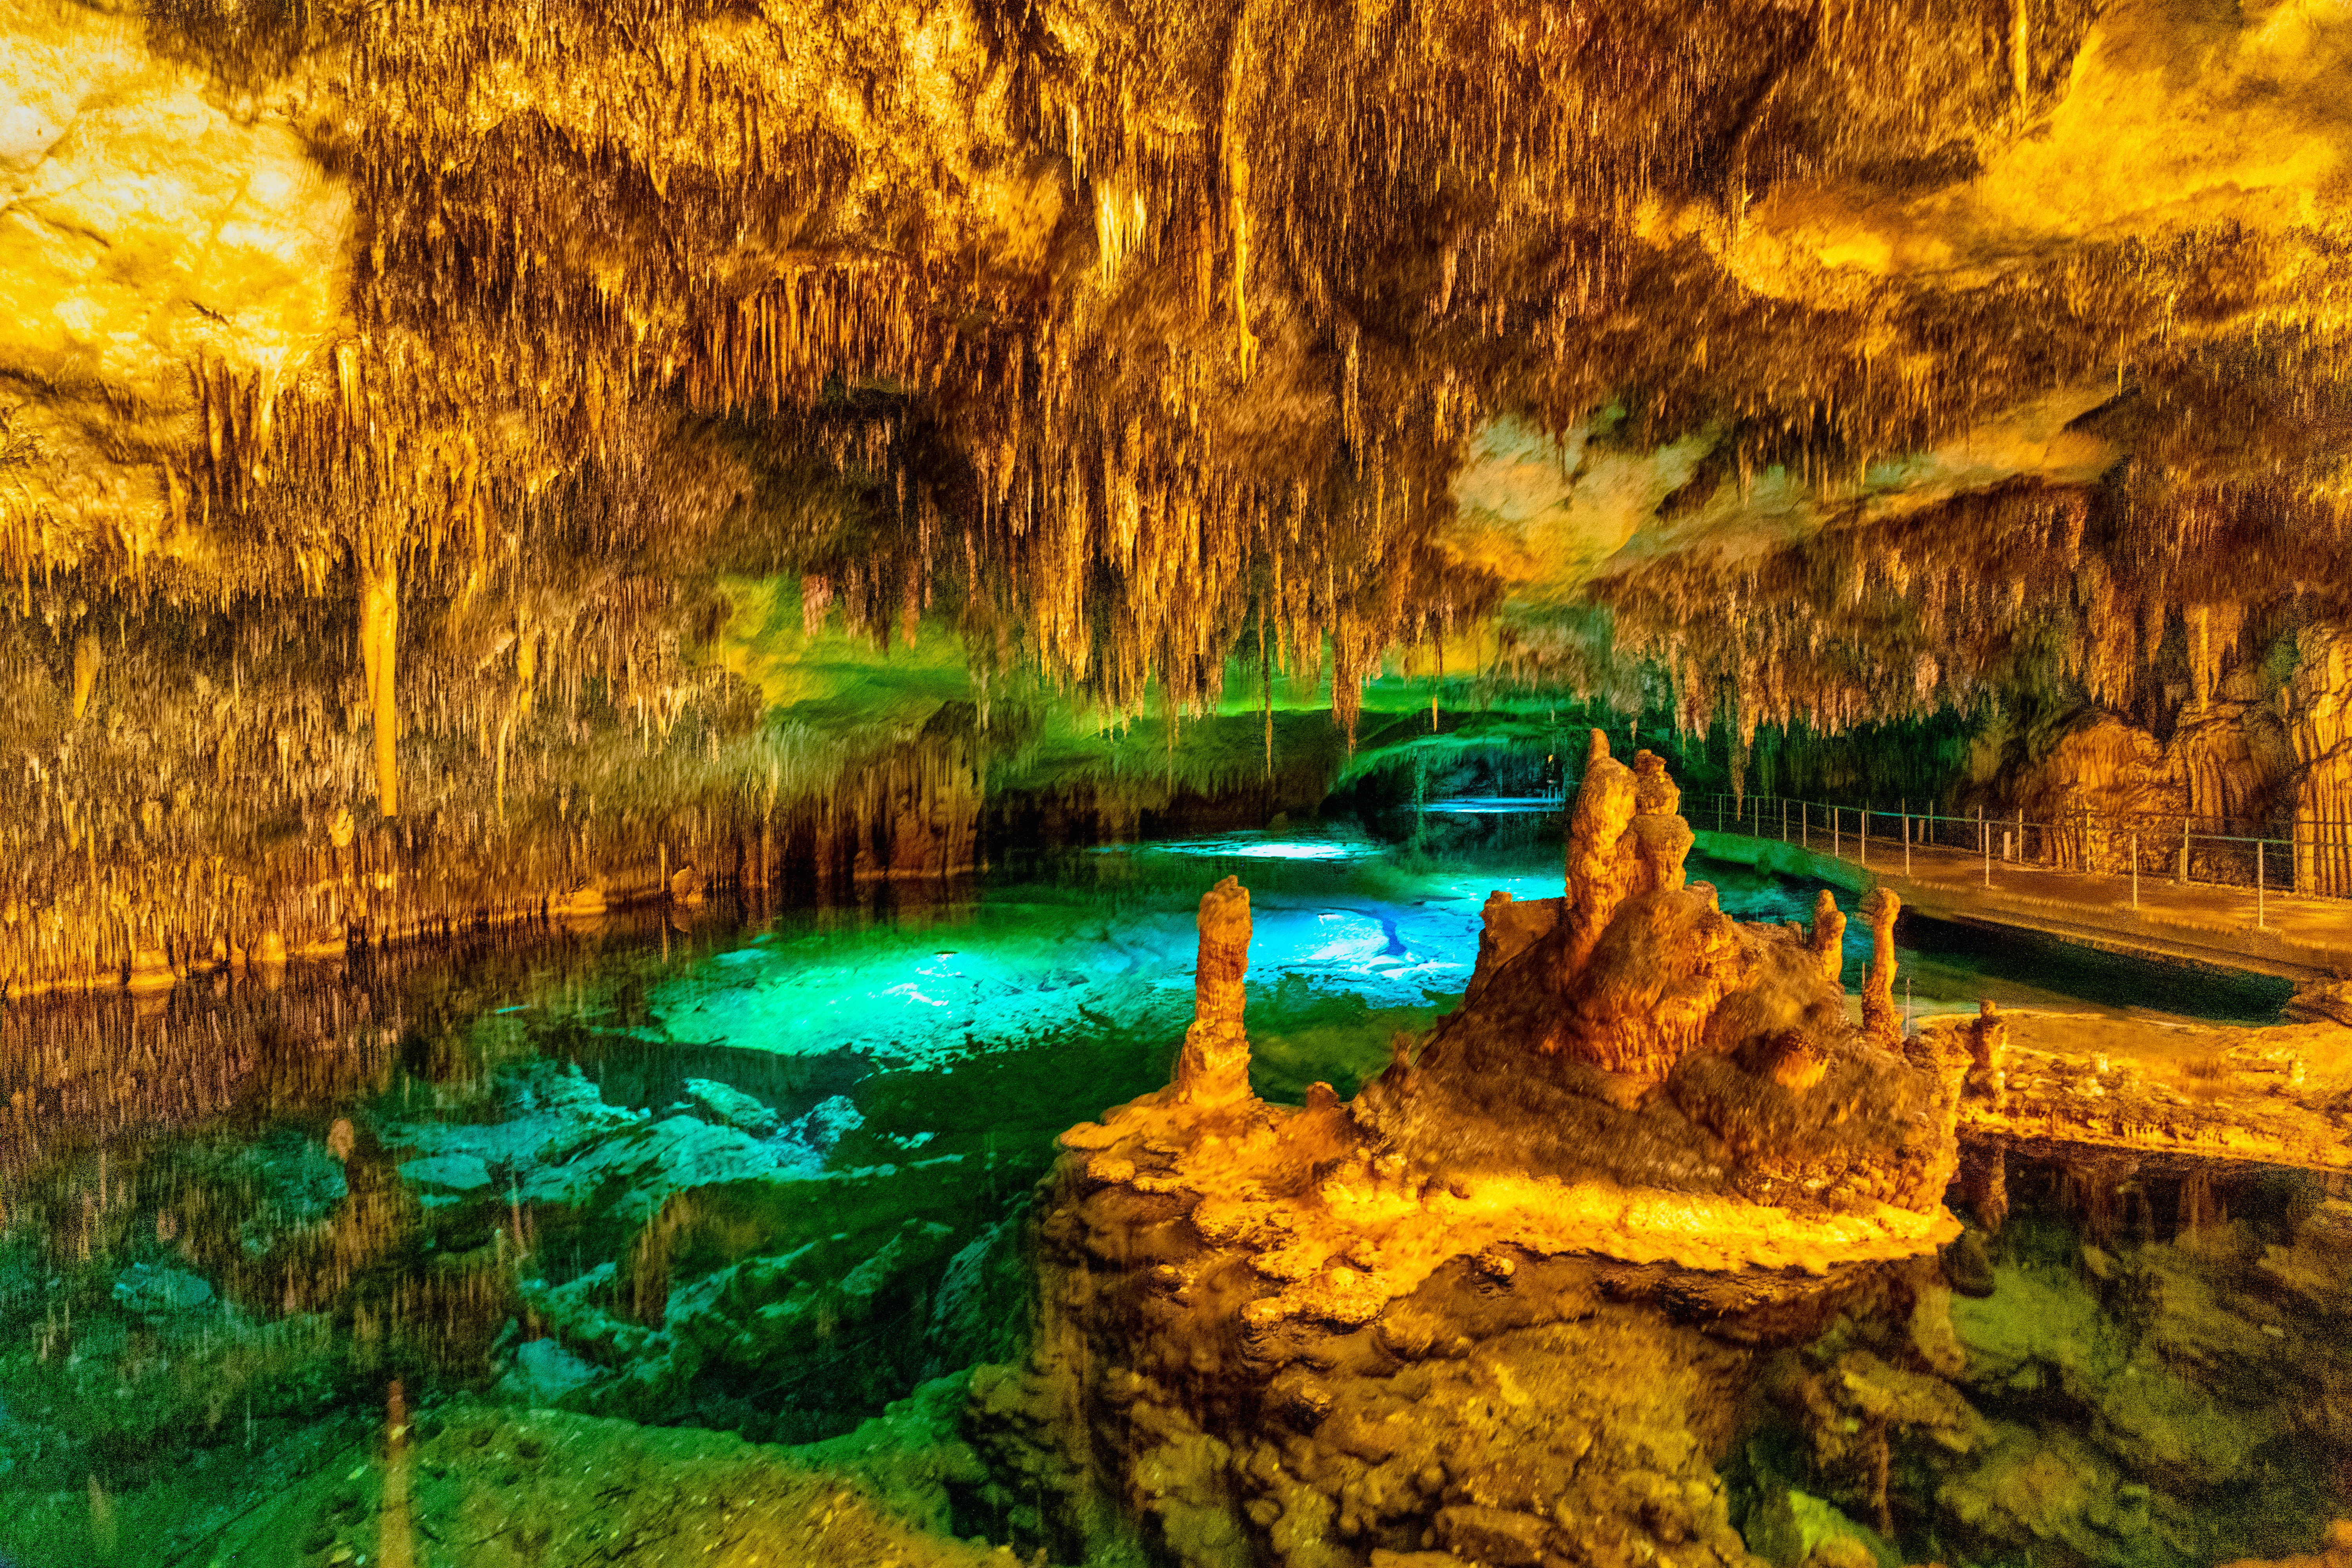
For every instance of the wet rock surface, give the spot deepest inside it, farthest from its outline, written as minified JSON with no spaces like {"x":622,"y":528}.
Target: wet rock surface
{"x":1455,"y":1320}
{"x":1533,"y":1298}
{"x":492,"y":1487}
{"x":2147,"y":1374}
{"x":2274,"y":1095}
{"x":1512,"y":1410}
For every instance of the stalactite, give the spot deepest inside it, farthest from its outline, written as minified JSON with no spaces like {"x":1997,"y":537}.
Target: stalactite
{"x":1366,"y":233}
{"x":88,"y":657}
{"x":379,"y":649}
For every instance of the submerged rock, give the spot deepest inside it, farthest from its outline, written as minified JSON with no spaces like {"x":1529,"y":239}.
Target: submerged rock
{"x":730,"y":1106}
{"x":550,"y":1489}
{"x":1966,"y":1265}
{"x":1790,"y":1528}
{"x":146,"y":1287}
{"x":544,"y":1373}
{"x":446,"y":1178}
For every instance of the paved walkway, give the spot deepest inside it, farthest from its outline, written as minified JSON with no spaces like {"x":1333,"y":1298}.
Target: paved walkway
{"x":2298,"y":938}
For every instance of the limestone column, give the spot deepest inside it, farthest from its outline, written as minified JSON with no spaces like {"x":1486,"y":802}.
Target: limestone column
{"x":1605,"y":803}
{"x":1828,"y":940}
{"x":1215,"y":1067}
{"x":2321,"y":696}
{"x":1880,"y":1021}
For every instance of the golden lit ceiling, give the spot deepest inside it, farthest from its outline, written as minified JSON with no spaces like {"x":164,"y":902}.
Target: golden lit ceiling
{"x":1130,"y":336}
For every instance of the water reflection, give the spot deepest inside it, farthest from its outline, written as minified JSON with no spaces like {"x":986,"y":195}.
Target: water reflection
{"x":284,"y":1260}
{"x":2143,"y":1362}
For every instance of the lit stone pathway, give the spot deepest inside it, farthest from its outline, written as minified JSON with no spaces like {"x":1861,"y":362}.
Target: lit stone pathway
{"x":2298,"y":937}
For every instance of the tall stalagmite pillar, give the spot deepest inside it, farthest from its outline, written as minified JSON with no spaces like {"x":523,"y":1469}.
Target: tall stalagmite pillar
{"x":2321,"y":695}
{"x":1215,"y":1067}
{"x":1829,"y":935}
{"x":379,"y":642}
{"x":1880,"y":1021}
{"x":1604,"y":808}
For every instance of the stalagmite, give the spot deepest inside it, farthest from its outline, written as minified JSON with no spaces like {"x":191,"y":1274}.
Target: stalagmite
{"x":1881,"y":1020}
{"x":1213,"y":1067}
{"x":1987,"y":1042}
{"x":2321,"y":731}
{"x":1604,"y":808}
{"x":1658,"y":839}
{"x":1828,"y":937}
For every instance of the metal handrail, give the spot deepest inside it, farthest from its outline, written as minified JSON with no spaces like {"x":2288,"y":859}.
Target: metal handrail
{"x":2128,"y":842}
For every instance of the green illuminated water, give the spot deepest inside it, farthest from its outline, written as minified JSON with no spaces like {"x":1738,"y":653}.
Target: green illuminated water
{"x":758,"y":1172}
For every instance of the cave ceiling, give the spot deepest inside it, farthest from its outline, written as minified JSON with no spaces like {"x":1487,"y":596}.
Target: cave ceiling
{"x":1844,"y":360}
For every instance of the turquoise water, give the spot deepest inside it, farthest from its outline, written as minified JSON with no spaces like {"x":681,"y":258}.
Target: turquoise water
{"x":761,"y":1175}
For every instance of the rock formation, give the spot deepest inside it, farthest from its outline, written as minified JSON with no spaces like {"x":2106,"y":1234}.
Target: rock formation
{"x":1605,"y":806}
{"x":1880,"y":1019}
{"x":1499,"y":1306}
{"x":480,"y":463}
{"x":1213,"y":1069}
{"x":2214,"y":1092}
{"x":2322,"y":732}
{"x":1639,"y":1099}
{"x":1671,"y":1046}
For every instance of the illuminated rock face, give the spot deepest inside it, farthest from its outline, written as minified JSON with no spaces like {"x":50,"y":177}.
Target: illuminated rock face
{"x":153,"y":231}
{"x":1644,"y":1036}
{"x":1427,"y":1317}
{"x":1213,"y":1069}
{"x":2322,"y":746}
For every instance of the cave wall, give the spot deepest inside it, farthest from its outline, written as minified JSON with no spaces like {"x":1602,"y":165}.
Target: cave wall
{"x":479,"y":348}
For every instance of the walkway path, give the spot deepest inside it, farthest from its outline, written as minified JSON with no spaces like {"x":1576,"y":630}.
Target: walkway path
{"x":2299,"y":938}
